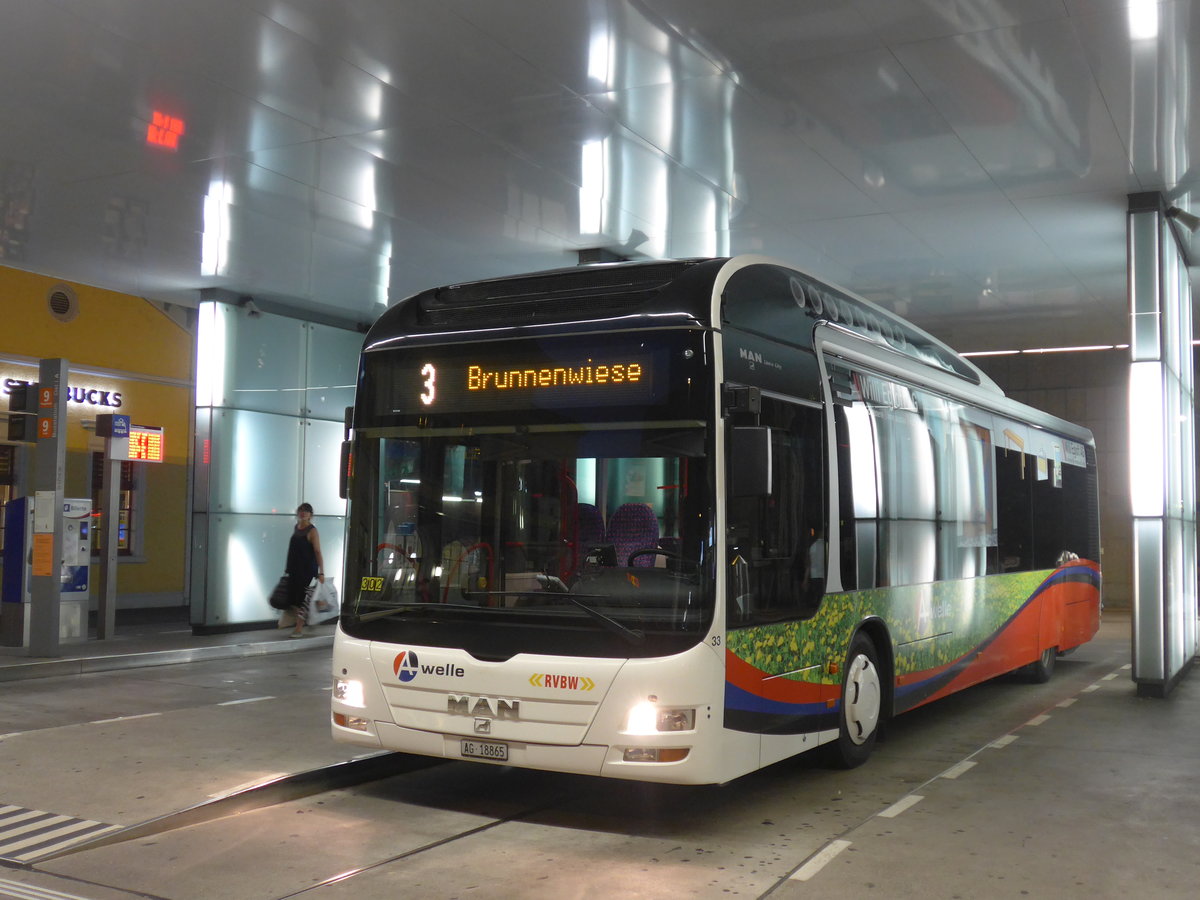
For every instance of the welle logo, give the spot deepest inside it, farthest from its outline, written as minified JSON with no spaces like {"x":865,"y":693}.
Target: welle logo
{"x":407,"y":667}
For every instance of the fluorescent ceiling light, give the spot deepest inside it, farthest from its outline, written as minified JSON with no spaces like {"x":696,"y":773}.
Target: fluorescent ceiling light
{"x":1143,"y":20}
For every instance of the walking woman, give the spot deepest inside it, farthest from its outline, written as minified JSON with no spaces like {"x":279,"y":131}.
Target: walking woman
{"x":304,"y":563}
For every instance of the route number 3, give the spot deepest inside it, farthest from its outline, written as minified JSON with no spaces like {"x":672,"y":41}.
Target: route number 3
{"x":429,"y":373}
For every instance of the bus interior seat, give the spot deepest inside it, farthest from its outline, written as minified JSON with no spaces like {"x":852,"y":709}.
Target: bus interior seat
{"x":633,"y":527}
{"x":591,"y":526}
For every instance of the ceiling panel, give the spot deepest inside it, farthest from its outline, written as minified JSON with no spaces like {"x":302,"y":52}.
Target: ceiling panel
{"x":865,"y":115}
{"x":766,"y":32}
{"x":965,"y":161}
{"x":1024,"y":103}
{"x":898,"y":22}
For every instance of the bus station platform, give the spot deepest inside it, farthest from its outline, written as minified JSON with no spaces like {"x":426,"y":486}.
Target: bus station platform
{"x":157,"y":640}
{"x":1074,"y":788}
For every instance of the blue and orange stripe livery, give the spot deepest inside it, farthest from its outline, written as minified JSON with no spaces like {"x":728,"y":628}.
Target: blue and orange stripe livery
{"x":946,"y":636}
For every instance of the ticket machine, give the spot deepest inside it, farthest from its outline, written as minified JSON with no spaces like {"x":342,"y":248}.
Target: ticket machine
{"x":74,"y":592}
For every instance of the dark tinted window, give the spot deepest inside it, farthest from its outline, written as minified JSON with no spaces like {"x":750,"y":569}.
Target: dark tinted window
{"x":777,"y":545}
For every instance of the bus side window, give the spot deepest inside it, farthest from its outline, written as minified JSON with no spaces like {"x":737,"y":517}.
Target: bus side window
{"x":916,"y":498}
{"x":1014,"y":479}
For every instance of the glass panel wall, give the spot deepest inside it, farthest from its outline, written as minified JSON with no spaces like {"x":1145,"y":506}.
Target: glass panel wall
{"x":271,"y":394}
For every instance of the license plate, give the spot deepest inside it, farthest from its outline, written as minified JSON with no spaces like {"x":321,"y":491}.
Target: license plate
{"x":485,"y":750}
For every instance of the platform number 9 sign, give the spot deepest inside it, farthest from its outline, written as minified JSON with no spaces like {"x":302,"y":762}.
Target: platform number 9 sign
{"x":429,"y":373}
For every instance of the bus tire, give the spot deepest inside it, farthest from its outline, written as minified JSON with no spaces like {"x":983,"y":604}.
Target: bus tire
{"x":861,"y":707}
{"x":1039,"y":672}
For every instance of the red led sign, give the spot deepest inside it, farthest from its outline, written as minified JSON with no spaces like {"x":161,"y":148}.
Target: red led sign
{"x":165,"y":131}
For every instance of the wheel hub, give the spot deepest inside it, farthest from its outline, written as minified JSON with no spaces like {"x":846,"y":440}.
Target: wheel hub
{"x":863,"y":699}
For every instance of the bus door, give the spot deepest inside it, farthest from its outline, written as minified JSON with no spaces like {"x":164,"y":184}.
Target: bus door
{"x":776,"y":567}
{"x":776,"y":538}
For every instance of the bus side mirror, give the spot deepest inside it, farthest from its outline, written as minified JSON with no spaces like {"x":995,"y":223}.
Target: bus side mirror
{"x":347,"y":466}
{"x":750,"y":462}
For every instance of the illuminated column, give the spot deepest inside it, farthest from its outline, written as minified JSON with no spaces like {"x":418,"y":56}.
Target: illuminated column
{"x":1161,"y":451}
{"x":271,"y":394}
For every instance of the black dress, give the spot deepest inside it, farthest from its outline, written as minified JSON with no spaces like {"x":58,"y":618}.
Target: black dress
{"x":301,"y":566}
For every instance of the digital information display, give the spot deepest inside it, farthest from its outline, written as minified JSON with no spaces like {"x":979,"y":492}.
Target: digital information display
{"x":129,"y":442}
{"x":145,"y":444}
{"x":449,"y":380}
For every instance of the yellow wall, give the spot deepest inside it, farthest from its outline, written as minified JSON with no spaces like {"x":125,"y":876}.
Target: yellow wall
{"x":112,"y":331}
{"x":130,"y":340}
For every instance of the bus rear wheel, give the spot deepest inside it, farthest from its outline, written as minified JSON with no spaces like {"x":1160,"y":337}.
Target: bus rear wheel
{"x":861,"y":707}
{"x":1039,"y":672}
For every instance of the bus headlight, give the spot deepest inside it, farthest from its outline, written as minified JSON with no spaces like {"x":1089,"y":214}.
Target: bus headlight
{"x":349,"y":692}
{"x":648,"y":718}
{"x":676,"y":719}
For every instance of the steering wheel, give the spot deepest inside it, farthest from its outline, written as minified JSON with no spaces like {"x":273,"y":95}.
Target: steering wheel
{"x":653,"y":551}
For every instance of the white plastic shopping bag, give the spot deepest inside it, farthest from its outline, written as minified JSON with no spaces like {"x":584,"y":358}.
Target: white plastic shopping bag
{"x":325,"y":602}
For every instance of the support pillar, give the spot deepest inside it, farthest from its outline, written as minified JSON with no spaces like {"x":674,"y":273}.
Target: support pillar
{"x":1162,"y":451}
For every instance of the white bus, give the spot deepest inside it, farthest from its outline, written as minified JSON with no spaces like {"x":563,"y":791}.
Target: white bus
{"x":676,"y":521}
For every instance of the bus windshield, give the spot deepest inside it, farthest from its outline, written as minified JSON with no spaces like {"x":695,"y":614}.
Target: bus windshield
{"x":543,"y":539}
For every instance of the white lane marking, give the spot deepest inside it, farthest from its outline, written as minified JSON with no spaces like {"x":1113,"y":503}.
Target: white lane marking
{"x":1038,"y":720}
{"x":1110,"y":676}
{"x":1068,"y":702}
{"x":33,"y":892}
{"x":1002,"y":742}
{"x":6,"y":825}
{"x":954,"y":771}
{"x":75,"y":832}
{"x":247,"y":785}
{"x":123,"y":719}
{"x":820,"y":861}
{"x":247,"y":700}
{"x":62,"y":825}
{"x":1090,"y":688}
{"x":26,"y":834}
{"x":900,"y":806}
{"x":1126,"y":666}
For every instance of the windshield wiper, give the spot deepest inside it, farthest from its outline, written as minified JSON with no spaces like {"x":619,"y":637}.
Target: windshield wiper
{"x":561,"y":590}
{"x":413,"y":607}
{"x":630,"y":634}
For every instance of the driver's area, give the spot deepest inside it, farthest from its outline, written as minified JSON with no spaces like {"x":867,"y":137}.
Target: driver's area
{"x":610,"y":527}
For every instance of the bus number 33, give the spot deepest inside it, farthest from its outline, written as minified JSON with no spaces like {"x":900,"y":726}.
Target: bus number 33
{"x":429,"y":373}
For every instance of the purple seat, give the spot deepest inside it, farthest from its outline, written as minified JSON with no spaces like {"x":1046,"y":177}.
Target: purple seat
{"x":633,"y":527}
{"x":591,"y":527}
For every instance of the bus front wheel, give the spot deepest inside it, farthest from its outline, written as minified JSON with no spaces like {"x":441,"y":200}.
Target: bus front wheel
{"x":862,"y":704}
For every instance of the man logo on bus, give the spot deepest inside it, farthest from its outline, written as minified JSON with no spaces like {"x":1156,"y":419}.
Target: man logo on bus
{"x":405,"y":666}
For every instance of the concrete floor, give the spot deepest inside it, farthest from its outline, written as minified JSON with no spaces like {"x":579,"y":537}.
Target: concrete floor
{"x":1093,"y":797}
{"x":1072,"y":789}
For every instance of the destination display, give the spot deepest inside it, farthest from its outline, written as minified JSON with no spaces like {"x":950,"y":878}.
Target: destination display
{"x":454,"y":380}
